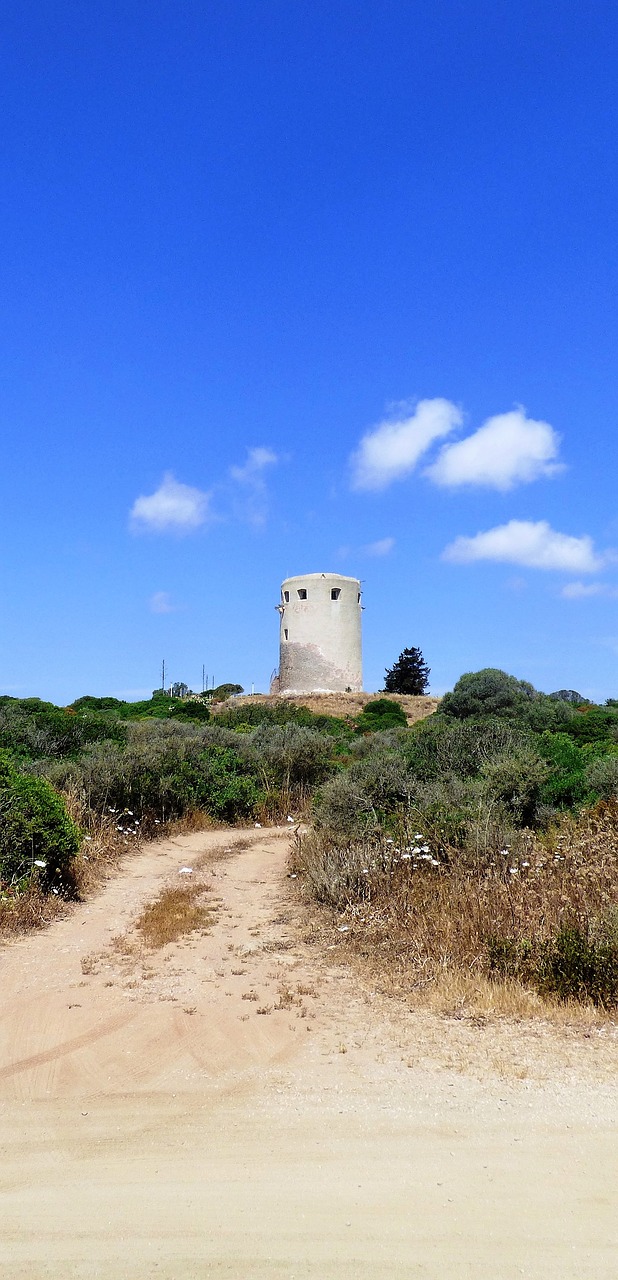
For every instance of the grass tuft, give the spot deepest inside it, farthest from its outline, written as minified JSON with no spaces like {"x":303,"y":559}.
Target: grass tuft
{"x":177,"y":911}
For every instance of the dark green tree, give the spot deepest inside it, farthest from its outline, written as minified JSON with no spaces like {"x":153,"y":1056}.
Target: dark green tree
{"x":410,"y":674}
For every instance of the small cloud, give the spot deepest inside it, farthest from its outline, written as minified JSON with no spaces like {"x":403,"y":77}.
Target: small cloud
{"x":583,"y":590}
{"x":524,"y":542}
{"x":391,"y":449}
{"x":380,"y":548}
{"x":251,"y":477}
{"x":508,"y":449}
{"x":257,"y":461}
{"x":174,"y":507}
{"x":161,"y":602}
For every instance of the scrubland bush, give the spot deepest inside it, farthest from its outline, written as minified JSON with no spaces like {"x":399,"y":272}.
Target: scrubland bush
{"x":167,"y":769}
{"x":380,"y":714}
{"x":37,"y":837}
{"x":516,"y":781}
{"x":30,"y":728}
{"x":601,"y":775}
{"x":487,"y":692}
{"x":289,"y":758}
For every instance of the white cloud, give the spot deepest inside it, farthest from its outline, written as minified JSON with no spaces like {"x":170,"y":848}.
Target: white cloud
{"x":380,"y":548}
{"x":257,"y":460}
{"x":161,"y":602}
{"x":392,"y":448}
{"x":524,"y":542}
{"x":508,"y":449}
{"x":251,"y":478}
{"x":583,"y":590}
{"x":173,"y":507}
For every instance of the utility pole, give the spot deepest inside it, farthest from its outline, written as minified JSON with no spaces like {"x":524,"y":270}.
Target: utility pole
{"x":163,"y":675}
{"x":203,"y":677}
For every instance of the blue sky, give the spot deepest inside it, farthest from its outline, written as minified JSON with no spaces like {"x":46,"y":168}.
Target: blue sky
{"x":290,"y":288}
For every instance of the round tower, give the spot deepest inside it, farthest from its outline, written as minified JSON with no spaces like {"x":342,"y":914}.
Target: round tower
{"x":320,"y":638}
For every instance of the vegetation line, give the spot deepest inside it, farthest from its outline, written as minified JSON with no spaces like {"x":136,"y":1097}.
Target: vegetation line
{"x":479,"y":845}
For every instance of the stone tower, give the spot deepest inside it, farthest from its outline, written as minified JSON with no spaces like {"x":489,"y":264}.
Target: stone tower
{"x":320,"y":638}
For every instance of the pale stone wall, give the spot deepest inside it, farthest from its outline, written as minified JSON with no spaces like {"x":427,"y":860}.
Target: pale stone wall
{"x":320,"y":634}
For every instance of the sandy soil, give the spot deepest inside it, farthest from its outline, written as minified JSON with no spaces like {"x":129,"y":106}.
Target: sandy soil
{"x":237,"y":1105}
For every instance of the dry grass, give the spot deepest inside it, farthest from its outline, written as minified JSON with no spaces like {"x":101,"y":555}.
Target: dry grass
{"x":429,"y":930}
{"x":345,"y":706}
{"x":194,"y":820}
{"x":30,"y":910}
{"x":177,"y":911}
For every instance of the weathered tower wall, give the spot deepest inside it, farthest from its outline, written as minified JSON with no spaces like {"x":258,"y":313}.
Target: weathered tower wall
{"x":320,"y":638}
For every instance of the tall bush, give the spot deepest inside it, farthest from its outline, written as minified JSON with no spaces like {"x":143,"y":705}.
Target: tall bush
{"x":34,"y":828}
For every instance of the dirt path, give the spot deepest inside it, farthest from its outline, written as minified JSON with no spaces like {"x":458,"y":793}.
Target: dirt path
{"x":236,"y":1106}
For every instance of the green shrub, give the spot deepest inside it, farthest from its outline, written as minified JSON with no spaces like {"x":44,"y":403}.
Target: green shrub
{"x":343,"y":808}
{"x":167,"y":768}
{"x":486,"y":692}
{"x":601,"y":775}
{"x":517,"y":780}
{"x":440,"y":745}
{"x":379,"y":715}
{"x":34,"y":827}
{"x":365,"y":796}
{"x":490,"y":692}
{"x":190,"y":709}
{"x":576,"y":965}
{"x":32,"y":729}
{"x":289,"y":756}
{"x":593,"y":724}
{"x":579,"y":963}
{"x":90,"y":703}
{"x":566,"y":782}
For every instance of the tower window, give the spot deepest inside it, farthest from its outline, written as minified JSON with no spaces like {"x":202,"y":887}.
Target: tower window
{"x":286,"y":597}
{"x":285,"y":633}
{"x":335,"y":593}
{"x":302,"y":594}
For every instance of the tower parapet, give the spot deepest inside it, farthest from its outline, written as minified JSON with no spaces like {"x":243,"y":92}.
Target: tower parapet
{"x":320,"y":648}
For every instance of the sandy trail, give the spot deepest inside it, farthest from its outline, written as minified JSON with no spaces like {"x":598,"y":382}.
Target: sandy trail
{"x":237,"y":1105}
